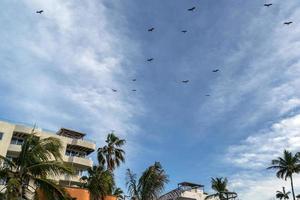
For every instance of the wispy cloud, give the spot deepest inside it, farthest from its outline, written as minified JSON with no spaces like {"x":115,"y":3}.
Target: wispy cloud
{"x":253,"y":155}
{"x":65,"y":66}
{"x":260,"y":74}
{"x":257,"y":150}
{"x":262,"y":91}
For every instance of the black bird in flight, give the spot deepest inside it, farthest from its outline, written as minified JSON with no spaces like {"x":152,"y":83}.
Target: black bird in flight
{"x":134,"y":90}
{"x":185,"y":81}
{"x":192,"y":9}
{"x":287,"y":23}
{"x":133,"y":79}
{"x":150,"y":59}
{"x":268,"y":4}
{"x":114,"y":90}
{"x":151,"y":29}
{"x":216,"y":70}
{"x":208,"y":95}
{"x":184,"y":31}
{"x":39,"y":11}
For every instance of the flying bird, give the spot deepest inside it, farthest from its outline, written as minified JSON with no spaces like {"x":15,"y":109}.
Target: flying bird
{"x":287,"y":23}
{"x":39,"y":11}
{"x":192,"y":9}
{"x":268,"y":4}
{"x":133,"y":79}
{"x":208,"y":95}
{"x":184,"y":31}
{"x":114,"y":90}
{"x":151,"y":29}
{"x":150,"y":59}
{"x":185,"y":81}
{"x":134,"y":90}
{"x":216,"y":70}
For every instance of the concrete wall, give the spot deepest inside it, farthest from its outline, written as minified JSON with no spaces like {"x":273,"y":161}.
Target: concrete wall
{"x":7,"y":130}
{"x":13,"y":150}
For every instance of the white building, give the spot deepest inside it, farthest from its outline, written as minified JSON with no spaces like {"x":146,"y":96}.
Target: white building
{"x":191,"y":191}
{"x":76,"y":149}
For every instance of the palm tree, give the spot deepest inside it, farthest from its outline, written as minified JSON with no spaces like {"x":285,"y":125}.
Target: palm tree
{"x":132,"y":185}
{"x":286,"y":166}
{"x":111,"y":154}
{"x":150,"y":185}
{"x":118,"y":192}
{"x":282,"y":194}
{"x":219,"y":185}
{"x":38,"y":160}
{"x":99,"y":182}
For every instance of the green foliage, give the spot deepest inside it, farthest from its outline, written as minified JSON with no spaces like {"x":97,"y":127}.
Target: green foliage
{"x":219,"y":185}
{"x":286,"y":166}
{"x":118,"y":192}
{"x":38,"y":159}
{"x":282,"y":194}
{"x":112,"y":154}
{"x":150,"y":184}
{"x":99,"y":182}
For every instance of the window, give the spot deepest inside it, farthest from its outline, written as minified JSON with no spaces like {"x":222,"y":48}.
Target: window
{"x":75,"y":153}
{"x":17,"y":141}
{"x":1,"y":135}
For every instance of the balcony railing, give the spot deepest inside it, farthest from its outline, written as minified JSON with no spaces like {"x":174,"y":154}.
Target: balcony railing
{"x":83,"y":162}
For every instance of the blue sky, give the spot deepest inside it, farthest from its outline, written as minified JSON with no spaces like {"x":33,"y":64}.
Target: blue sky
{"x":58,"y":69}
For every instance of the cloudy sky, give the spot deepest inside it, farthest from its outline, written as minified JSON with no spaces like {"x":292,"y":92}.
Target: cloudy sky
{"x":58,"y":69}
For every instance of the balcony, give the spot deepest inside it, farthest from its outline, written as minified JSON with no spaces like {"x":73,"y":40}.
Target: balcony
{"x":71,"y":179}
{"x":14,"y":149}
{"x":78,"y":161}
{"x":91,"y":146}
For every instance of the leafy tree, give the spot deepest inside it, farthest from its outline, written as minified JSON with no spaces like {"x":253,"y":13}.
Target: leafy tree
{"x":39,"y":160}
{"x":150,"y":185}
{"x":112,"y":154}
{"x":99,"y":182}
{"x":118,"y":192}
{"x":219,"y":185}
{"x":286,"y":166}
{"x":282,"y":194}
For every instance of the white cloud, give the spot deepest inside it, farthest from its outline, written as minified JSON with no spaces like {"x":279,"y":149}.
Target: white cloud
{"x":65,"y":66}
{"x":256,"y":186}
{"x":261,"y":75}
{"x":253,"y":155}
{"x":267,"y":86}
{"x":256,"y":151}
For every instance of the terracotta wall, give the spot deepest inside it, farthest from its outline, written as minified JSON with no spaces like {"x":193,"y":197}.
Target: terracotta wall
{"x":110,"y":197}
{"x":78,"y":193}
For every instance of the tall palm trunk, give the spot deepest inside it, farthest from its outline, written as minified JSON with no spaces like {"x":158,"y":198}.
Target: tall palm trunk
{"x":292,"y":186}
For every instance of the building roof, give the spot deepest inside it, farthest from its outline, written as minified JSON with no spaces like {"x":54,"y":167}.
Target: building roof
{"x":70,"y":133}
{"x":189,"y":184}
{"x":176,"y":193}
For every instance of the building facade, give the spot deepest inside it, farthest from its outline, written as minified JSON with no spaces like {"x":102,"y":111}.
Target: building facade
{"x":192,"y":191}
{"x":76,"y":149}
{"x":186,"y":191}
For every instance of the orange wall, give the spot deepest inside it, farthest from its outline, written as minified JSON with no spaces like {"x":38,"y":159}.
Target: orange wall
{"x":110,"y":197}
{"x":79,"y":193}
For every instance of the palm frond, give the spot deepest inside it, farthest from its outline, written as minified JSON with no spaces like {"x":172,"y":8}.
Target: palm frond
{"x":51,"y":190}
